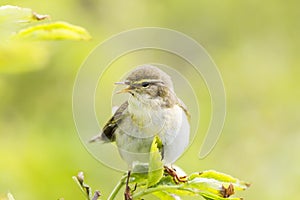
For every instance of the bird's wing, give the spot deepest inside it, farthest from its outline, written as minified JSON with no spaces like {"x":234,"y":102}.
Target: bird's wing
{"x":184,"y":108}
{"x":107,"y":134}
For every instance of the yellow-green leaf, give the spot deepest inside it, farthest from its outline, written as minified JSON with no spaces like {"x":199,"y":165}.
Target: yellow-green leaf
{"x":15,"y":14}
{"x":209,"y":196}
{"x":166,"y":195}
{"x":156,"y":171}
{"x":223,"y":178}
{"x":53,"y":31}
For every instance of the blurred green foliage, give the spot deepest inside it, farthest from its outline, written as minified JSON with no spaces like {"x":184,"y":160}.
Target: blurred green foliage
{"x":256,"y":46}
{"x":210,"y":184}
{"x":19,"y":49}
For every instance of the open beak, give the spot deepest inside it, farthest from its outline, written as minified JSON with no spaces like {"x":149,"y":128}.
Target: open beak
{"x":125,"y":90}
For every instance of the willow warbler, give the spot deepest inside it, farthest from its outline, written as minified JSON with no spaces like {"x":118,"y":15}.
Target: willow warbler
{"x":152,"y":109}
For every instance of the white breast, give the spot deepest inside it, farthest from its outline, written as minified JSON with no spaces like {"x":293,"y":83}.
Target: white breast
{"x":136,"y":132}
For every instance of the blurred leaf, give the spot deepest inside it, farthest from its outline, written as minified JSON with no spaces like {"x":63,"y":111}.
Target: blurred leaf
{"x":10,"y":196}
{"x":22,"y":56}
{"x":15,"y":14}
{"x":18,"y":53}
{"x":155,"y":171}
{"x":53,"y":31}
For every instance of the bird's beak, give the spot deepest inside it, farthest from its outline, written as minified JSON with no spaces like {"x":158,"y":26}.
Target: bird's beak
{"x":121,"y":83}
{"x":125,"y":90}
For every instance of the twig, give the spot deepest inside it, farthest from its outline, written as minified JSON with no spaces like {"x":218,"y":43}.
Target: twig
{"x":117,"y":188}
{"x":127,"y":193}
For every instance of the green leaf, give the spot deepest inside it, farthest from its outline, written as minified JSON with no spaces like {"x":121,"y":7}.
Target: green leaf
{"x":215,"y":197}
{"x":166,"y":195}
{"x":155,"y":171}
{"x":140,"y":178}
{"x":13,"y":17}
{"x":18,"y":53}
{"x":15,"y":14}
{"x":215,"y":185}
{"x":209,"y":184}
{"x":53,"y":31}
{"x":219,"y":177}
{"x":79,"y":179}
{"x":203,"y":184}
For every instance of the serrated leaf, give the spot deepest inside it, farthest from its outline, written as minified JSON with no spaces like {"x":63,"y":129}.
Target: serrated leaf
{"x":155,"y":171}
{"x":210,"y":184}
{"x":53,"y":31}
{"x":215,"y":185}
{"x":217,"y":176}
{"x":222,"y":178}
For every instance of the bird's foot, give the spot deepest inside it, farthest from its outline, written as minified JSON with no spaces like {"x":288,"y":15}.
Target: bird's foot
{"x":176,"y":178}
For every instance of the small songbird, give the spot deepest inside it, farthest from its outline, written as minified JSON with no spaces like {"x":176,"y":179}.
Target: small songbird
{"x":152,"y":109}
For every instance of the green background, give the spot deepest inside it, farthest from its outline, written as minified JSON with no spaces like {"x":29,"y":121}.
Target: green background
{"x":256,"y":46}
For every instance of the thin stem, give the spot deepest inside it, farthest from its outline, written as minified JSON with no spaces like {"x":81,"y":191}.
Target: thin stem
{"x":160,"y":188}
{"x":127,"y":194}
{"x":117,"y":188}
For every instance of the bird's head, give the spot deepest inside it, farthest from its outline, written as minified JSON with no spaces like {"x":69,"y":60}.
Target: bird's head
{"x":147,"y":83}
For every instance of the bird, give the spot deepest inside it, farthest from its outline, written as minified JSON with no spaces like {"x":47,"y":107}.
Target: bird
{"x":152,"y":109}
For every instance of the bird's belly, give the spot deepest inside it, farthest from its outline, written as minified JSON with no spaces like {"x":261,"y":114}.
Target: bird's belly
{"x":135,"y":135}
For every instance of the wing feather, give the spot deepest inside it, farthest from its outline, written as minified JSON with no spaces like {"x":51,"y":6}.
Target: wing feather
{"x":110,"y":127}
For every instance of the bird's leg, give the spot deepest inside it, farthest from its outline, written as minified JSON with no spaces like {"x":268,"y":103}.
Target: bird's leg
{"x":127,"y":192}
{"x":172,"y":172}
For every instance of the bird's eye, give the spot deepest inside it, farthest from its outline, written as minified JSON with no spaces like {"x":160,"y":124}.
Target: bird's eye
{"x":145,"y":84}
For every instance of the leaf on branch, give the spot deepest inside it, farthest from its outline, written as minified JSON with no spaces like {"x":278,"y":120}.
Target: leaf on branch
{"x":221,"y":177}
{"x":15,"y":14}
{"x":53,"y":31}
{"x":155,"y":171}
{"x":86,"y":189}
{"x":166,"y":195}
{"x":18,"y":50}
{"x":209,"y":184}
